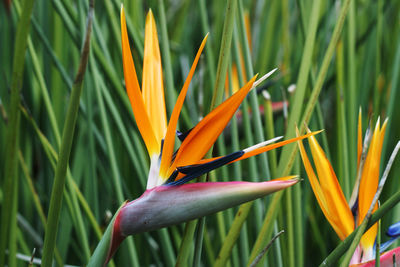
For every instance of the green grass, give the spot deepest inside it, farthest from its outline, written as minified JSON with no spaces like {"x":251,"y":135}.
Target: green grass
{"x":339,"y":59}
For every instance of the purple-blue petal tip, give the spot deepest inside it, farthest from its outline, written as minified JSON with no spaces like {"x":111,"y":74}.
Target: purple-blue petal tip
{"x":394,"y":230}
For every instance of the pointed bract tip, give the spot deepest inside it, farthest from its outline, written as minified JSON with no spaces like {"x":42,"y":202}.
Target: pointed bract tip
{"x":122,"y":7}
{"x":262,"y":144}
{"x":385,"y":121}
{"x":264,"y":77}
{"x":205,"y":38}
{"x":288,"y":178}
{"x":150,"y":16}
{"x":378,"y":122}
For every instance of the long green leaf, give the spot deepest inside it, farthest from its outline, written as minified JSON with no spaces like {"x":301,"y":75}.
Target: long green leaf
{"x":10,"y":187}
{"x":65,"y":149}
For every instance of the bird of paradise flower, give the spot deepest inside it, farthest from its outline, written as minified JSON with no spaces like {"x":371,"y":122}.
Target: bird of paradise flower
{"x":333,"y":203}
{"x":169,"y":199}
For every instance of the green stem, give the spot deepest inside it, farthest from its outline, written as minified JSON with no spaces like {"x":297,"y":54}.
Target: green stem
{"x":298,"y":219}
{"x":166,"y":56}
{"x":185,"y":247}
{"x":256,"y":117}
{"x":44,"y":91}
{"x":53,"y":158}
{"x":351,"y":92}
{"x":378,"y":246}
{"x":394,"y":94}
{"x":113,"y":160}
{"x":290,"y":229}
{"x":65,"y":149}
{"x":244,"y":209}
{"x":301,"y":83}
{"x":288,"y":153}
{"x":343,"y":150}
{"x":233,"y":235}
{"x":224,"y":54}
{"x":223,"y":62}
{"x":237,"y":170}
{"x":378,"y":87}
{"x":209,"y":51}
{"x":10,"y":186}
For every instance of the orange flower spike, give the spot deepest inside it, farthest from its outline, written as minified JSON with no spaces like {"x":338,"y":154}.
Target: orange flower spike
{"x":152,"y":82}
{"x":316,"y":187}
{"x":206,"y":132}
{"x":320,"y":194}
{"x":327,"y":189}
{"x":369,"y":183}
{"x":335,"y":199}
{"x":134,"y":94}
{"x":171,"y":130}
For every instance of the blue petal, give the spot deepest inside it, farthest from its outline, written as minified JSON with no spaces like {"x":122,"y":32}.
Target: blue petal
{"x":386,"y":244}
{"x":354,"y":208}
{"x":394,"y":230}
{"x":181,"y":135}
{"x":194,"y":171}
{"x":394,"y":233}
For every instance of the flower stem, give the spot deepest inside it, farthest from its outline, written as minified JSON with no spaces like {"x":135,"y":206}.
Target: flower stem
{"x":223,"y":62}
{"x":288,"y":153}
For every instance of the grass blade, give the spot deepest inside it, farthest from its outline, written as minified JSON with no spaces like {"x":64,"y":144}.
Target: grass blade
{"x":10,"y":187}
{"x":65,"y":149}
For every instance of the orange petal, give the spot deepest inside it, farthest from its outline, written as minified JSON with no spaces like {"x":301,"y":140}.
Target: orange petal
{"x":359,"y":139}
{"x":134,"y":94}
{"x":369,"y":183}
{"x":206,"y":132}
{"x":338,"y":208}
{"x":316,"y":187}
{"x":262,"y":149}
{"x":273,"y":146}
{"x":152,"y":83}
{"x":235,"y":81}
{"x":332,"y":203}
{"x":170,"y":136}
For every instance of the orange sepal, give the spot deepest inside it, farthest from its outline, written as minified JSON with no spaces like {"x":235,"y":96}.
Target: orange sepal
{"x":206,"y":132}
{"x":338,"y":208}
{"x":134,"y":94}
{"x":152,"y":82}
{"x":344,"y":224}
{"x":369,"y":183}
